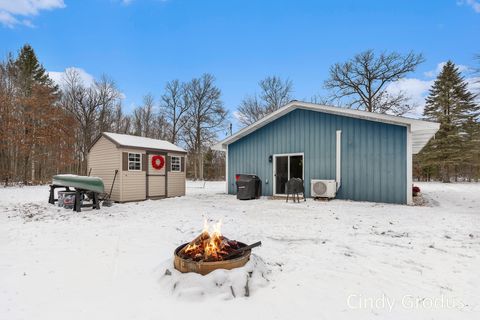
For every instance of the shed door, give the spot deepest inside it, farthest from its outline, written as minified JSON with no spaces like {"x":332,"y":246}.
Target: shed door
{"x":156,"y":175}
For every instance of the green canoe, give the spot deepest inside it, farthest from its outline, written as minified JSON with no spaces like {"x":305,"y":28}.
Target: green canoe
{"x":80,"y":182}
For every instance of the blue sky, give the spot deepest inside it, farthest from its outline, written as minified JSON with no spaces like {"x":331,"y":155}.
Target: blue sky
{"x":142,"y":44}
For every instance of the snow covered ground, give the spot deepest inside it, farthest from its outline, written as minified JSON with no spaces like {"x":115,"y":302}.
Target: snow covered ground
{"x":319,"y":260}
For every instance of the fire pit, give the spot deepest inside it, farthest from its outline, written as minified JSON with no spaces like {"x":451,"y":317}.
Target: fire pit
{"x":211,"y":251}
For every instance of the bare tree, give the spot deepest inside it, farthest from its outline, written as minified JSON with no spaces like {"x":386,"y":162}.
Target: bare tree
{"x":88,"y":105}
{"x":362,"y":81}
{"x":121,"y":122}
{"x":161,"y":127}
{"x":318,"y":99}
{"x":174,"y":108}
{"x":10,"y":121}
{"x":148,"y":115}
{"x":108,"y":96}
{"x":274,"y":93}
{"x":137,"y":121}
{"x":206,"y":116}
{"x":250,"y":110}
{"x":144,"y":117}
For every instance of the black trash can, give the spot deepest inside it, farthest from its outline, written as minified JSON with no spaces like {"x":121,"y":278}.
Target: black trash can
{"x":249,"y":186}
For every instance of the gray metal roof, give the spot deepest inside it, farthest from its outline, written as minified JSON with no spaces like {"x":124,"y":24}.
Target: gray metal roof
{"x":422,"y":131}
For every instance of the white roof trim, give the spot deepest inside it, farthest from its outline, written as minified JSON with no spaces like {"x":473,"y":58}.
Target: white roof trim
{"x":422,"y":131}
{"x":126,"y":140}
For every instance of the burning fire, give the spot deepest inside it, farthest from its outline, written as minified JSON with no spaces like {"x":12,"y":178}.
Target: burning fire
{"x":209,"y":246}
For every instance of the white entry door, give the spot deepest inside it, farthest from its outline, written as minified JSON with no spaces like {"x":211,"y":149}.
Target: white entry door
{"x":285,"y":167}
{"x":156,"y":175}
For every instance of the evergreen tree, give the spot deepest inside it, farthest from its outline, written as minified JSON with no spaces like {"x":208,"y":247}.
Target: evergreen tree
{"x":30,"y":72}
{"x":450,"y":103}
{"x":37,"y":94}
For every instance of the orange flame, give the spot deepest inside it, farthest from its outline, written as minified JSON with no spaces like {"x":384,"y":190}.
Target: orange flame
{"x":209,"y":244}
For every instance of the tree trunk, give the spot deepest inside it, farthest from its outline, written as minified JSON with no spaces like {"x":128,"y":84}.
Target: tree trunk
{"x":445,"y":174}
{"x":195,"y":163}
{"x":25,"y":170}
{"x":33,"y":164}
{"x":200,"y":164}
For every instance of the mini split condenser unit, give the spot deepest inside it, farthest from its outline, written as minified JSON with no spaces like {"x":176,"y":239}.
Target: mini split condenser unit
{"x":323,"y":188}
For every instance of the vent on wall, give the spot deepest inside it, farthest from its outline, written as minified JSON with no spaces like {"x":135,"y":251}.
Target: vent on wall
{"x":323,"y":188}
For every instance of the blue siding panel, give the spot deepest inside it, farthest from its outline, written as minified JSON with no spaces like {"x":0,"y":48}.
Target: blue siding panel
{"x":373,"y":154}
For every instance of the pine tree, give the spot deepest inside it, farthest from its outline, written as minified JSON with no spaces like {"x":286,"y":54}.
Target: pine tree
{"x":31,"y":72}
{"x":37,"y":94}
{"x":450,"y":103}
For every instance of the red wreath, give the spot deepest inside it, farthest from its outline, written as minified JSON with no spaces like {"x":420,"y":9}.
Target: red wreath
{"x":158,"y":162}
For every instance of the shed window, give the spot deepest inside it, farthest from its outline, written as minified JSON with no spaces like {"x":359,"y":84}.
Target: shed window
{"x":176,"y":164}
{"x":134,"y":161}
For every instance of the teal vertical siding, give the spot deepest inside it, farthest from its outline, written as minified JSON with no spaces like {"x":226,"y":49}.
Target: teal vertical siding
{"x":373,"y":154}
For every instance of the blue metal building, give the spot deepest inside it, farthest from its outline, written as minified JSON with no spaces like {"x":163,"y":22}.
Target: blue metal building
{"x":368,"y":155}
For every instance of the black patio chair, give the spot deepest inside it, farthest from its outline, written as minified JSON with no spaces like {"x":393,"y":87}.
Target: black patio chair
{"x":295,"y":186}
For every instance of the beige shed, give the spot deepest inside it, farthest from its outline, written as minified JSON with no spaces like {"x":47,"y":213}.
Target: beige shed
{"x":147,"y":168}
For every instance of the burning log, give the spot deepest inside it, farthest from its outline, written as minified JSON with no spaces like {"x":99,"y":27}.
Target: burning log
{"x":242,"y":249}
{"x":210,"y":251}
{"x":210,"y":246}
{"x":196,"y":242}
{"x":207,"y":248}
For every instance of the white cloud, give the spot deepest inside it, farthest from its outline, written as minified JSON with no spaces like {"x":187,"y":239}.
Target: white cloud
{"x":416,"y":89}
{"x":87,"y":79}
{"x":7,"y":19}
{"x":474,"y":85}
{"x":59,"y":76}
{"x":12,"y":11}
{"x":472,"y":3}
{"x":28,"y":23}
